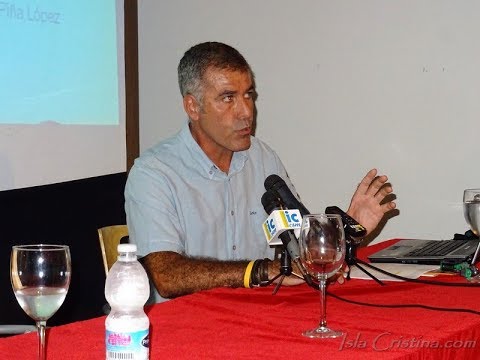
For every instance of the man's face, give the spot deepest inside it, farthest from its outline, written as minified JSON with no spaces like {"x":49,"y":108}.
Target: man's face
{"x":226,"y":111}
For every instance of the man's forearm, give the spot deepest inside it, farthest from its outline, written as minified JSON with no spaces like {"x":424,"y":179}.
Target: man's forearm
{"x":175,"y":275}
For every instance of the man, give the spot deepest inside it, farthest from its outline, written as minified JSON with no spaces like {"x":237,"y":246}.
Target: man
{"x":193,"y":201}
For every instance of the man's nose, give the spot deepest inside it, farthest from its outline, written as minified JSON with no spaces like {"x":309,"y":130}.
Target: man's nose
{"x":245,"y":108}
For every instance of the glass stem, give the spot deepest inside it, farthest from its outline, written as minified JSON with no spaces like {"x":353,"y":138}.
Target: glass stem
{"x":323,"y":303}
{"x":41,"y":339}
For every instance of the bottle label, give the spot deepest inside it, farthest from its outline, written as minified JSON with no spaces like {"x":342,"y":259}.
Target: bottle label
{"x":127,"y":345}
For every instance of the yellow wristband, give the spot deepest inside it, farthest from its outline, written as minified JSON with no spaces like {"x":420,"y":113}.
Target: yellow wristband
{"x":248,"y":273}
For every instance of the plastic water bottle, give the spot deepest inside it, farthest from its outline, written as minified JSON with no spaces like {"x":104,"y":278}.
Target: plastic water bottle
{"x":126,"y":290}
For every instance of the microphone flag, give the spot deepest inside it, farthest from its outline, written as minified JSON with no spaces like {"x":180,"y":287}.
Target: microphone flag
{"x":278,"y":222}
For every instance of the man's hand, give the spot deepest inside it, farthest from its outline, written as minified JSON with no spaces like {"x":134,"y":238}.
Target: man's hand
{"x":340,"y":276}
{"x":368,"y":205}
{"x":274,"y":270}
{"x":295,"y":278}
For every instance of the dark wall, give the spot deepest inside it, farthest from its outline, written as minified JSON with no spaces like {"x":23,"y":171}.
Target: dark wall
{"x":66,"y":213}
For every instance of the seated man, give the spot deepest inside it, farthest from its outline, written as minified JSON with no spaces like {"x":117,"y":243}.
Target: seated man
{"x":193,"y":201}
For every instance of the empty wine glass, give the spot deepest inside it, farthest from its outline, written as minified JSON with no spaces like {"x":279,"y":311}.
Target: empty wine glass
{"x":322,"y":252}
{"x":40,"y":276}
{"x":471,"y":212}
{"x":471,"y":209}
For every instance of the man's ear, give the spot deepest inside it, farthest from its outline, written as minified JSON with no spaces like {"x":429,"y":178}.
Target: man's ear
{"x":192,"y":107}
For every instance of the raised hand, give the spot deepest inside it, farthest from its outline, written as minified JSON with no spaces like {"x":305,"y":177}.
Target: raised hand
{"x":368,"y":205}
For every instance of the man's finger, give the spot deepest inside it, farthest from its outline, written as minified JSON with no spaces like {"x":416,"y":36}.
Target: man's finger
{"x":384,"y":191}
{"x":376,"y":185}
{"x":366,"y":181}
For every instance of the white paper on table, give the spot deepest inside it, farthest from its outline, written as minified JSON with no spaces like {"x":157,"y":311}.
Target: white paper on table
{"x":411,"y":271}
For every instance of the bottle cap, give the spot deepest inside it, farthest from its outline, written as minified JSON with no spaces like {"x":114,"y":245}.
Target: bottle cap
{"x":127,"y":248}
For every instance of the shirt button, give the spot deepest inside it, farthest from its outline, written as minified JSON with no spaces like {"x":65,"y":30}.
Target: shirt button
{"x":210,"y":172}
{"x":234,"y":247}
{"x":232,"y":212}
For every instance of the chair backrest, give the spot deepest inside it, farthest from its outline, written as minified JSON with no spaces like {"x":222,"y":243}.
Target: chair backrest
{"x":109,"y":237}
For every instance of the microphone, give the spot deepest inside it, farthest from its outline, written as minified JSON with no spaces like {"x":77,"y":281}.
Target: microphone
{"x":278,"y":186}
{"x":271,"y":203}
{"x":351,"y":226}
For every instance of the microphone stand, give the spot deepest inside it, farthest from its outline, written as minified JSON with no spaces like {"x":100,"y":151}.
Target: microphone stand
{"x":352,"y":260}
{"x":285,"y":269}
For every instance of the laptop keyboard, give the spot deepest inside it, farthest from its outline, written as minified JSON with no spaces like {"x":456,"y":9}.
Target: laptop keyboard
{"x":437,"y":248}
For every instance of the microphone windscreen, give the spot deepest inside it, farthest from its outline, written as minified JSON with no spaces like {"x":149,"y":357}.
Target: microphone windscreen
{"x":270,"y":201}
{"x":273,"y":181}
{"x":277,"y":185}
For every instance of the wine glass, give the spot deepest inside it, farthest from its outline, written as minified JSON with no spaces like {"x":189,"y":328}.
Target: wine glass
{"x":471,"y":209}
{"x":40,"y":276}
{"x":471,"y":212}
{"x":322,"y":252}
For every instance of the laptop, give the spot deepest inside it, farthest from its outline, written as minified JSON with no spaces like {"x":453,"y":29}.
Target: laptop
{"x":429,"y":252}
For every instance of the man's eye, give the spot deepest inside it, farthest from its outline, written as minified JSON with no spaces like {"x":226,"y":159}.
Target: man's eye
{"x":228,"y":98}
{"x":250,"y":95}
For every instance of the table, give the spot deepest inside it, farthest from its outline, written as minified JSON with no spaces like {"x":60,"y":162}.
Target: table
{"x":227,"y":323}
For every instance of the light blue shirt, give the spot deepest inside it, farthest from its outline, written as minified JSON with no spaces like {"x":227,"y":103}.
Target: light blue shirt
{"x":176,"y":199}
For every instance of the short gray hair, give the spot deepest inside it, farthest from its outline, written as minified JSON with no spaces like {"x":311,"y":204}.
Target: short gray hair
{"x":199,"y":58}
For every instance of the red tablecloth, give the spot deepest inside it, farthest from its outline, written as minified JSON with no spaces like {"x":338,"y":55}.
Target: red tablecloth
{"x":242,"y":323}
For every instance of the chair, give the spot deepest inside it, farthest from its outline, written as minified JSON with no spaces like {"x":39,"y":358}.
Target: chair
{"x":7,"y":330}
{"x":110,"y":237}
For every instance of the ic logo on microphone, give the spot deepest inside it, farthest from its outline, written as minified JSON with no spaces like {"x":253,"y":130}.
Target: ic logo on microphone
{"x":280,"y":221}
{"x":270,"y":225}
{"x":291,"y":219}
